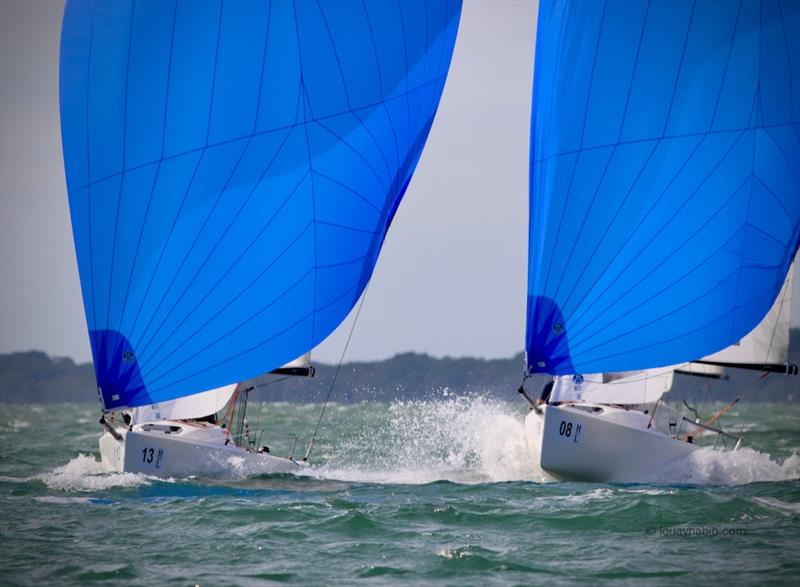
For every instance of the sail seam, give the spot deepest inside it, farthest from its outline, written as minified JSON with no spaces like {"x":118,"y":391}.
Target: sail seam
{"x":225,"y":274}
{"x":569,"y":191}
{"x":122,"y":178}
{"x":660,"y":230}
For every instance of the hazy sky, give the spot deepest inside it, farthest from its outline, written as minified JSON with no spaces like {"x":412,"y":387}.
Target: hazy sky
{"x":451,"y":279}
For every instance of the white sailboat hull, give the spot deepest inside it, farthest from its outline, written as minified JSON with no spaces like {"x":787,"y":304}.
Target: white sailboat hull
{"x":192,"y":451}
{"x":573,"y":443}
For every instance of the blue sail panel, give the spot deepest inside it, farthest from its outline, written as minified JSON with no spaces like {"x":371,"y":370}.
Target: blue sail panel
{"x":664,"y":178}
{"x":232,"y":170}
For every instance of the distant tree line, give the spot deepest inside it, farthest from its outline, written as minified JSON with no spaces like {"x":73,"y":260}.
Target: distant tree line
{"x":34,"y":377}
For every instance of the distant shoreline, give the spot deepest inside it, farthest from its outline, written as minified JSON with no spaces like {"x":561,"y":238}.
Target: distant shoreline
{"x":34,"y":377}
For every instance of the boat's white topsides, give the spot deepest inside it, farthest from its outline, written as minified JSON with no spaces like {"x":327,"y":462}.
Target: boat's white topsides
{"x":180,"y":448}
{"x":592,"y":442}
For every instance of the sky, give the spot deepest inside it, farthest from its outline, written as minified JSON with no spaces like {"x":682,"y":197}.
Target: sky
{"x":451,"y":279}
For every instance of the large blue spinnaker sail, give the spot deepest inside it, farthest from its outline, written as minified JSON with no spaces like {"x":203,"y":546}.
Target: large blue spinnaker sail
{"x":232,"y":169}
{"x":665,"y":178}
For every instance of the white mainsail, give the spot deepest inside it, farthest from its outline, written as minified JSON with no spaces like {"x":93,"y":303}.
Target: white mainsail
{"x":199,"y":405}
{"x":638,"y":387}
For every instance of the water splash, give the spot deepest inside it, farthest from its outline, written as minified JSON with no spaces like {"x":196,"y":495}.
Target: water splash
{"x":475,"y":439}
{"x":85,"y":473}
{"x":470,"y":439}
{"x":713,"y":467}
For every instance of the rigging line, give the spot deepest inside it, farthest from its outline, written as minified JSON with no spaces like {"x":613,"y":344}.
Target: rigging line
{"x":336,"y":373}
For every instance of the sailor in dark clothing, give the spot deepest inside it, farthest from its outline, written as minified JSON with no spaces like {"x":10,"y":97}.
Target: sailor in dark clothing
{"x":544,"y":397}
{"x":547,"y":389}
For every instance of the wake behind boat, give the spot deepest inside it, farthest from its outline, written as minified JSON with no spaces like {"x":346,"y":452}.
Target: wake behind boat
{"x":664,"y":218}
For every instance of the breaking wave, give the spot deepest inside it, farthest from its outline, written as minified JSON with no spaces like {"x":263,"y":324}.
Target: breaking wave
{"x":85,"y":473}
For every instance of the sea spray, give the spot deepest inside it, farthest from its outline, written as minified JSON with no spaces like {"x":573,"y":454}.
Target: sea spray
{"x":464,"y":439}
{"x":708,"y":466}
{"x":86,"y":473}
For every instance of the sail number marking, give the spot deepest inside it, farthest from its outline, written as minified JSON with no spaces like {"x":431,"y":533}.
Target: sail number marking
{"x":150,"y":454}
{"x":568,"y":430}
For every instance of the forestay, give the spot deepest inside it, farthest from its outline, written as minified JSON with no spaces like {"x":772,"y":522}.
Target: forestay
{"x":665,"y":173}
{"x":232,"y":170}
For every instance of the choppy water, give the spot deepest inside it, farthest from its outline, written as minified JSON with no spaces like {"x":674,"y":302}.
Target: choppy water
{"x":409,"y":493}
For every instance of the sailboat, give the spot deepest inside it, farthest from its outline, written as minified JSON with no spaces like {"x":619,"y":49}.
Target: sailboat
{"x":664,"y":217}
{"x":232,"y":171}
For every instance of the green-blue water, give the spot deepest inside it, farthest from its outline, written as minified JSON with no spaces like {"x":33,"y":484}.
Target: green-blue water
{"x":414,"y":494}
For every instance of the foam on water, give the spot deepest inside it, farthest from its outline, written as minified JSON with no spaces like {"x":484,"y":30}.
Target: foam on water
{"x":85,"y":473}
{"x":61,"y":500}
{"x":713,"y":467}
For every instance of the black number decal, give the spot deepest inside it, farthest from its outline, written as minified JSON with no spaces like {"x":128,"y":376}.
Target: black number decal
{"x":565,"y":429}
{"x":147,"y":455}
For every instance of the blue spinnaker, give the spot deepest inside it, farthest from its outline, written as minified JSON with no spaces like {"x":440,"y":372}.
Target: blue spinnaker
{"x":665,"y":178}
{"x":232,"y":170}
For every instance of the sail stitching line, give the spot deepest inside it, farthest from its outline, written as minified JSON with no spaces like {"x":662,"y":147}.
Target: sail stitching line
{"x":727,"y":64}
{"x":157,"y":172}
{"x":719,"y":95}
{"x":252,"y":347}
{"x":667,"y":136}
{"x":244,"y":289}
{"x":194,"y":150}
{"x":652,"y":208}
{"x":588,"y":338}
{"x":405,"y":78}
{"x":658,"y":233}
{"x":605,"y":169}
{"x":122,"y":177}
{"x":569,"y":192}
{"x":230,"y":177}
{"x":788,"y":61}
{"x":89,"y":168}
{"x":789,"y":166}
{"x":185,"y":256}
{"x":240,"y":324}
{"x":227,"y":231}
{"x":755,"y":118}
{"x":571,"y":319}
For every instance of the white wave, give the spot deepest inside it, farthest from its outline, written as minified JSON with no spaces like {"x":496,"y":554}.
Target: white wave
{"x":64,"y":500}
{"x":712,"y":467}
{"x":463,"y":439}
{"x":789,"y":509}
{"x":85,"y":473}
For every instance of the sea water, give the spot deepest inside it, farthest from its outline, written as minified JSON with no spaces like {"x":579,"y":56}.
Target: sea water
{"x":415,"y":493}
